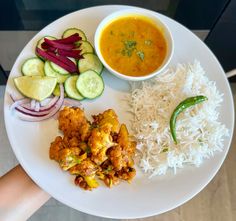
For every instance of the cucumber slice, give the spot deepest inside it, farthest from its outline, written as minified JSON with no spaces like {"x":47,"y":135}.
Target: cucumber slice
{"x":59,"y":69}
{"x":33,"y":66}
{"x":90,"y":62}
{"x":85,"y":47}
{"x":51,"y":73}
{"x":90,"y":84}
{"x":70,"y":88}
{"x":71,"y":31}
{"x":57,"y":92}
{"x":41,"y":40}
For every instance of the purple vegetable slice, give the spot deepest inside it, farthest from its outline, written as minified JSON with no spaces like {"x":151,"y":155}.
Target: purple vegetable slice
{"x":61,"y":61}
{"x":59,"y":45}
{"x":73,"y":53}
{"x":69,"y":40}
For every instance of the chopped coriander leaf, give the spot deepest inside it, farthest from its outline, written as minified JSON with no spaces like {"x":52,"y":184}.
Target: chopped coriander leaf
{"x":129,"y":53}
{"x":129,"y":44}
{"x":141,"y":55}
{"x":129,"y":47}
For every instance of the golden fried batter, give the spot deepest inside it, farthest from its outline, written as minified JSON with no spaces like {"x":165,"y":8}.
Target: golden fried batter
{"x":73,"y":123}
{"x":99,"y":142}
{"x":99,"y":149}
{"x":122,"y":154}
{"x":55,"y":147}
{"x":107,"y":117}
{"x":85,"y":168}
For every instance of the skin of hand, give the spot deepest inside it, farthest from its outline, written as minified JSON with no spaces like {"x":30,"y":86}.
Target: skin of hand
{"x":20,"y":196}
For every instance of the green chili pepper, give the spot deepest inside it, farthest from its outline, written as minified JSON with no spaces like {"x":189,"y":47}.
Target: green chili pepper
{"x":188,"y":102}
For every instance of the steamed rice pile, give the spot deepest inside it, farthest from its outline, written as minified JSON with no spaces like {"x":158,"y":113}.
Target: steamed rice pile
{"x":199,"y":132}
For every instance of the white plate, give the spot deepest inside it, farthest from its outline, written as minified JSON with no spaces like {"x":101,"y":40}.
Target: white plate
{"x":144,"y":197}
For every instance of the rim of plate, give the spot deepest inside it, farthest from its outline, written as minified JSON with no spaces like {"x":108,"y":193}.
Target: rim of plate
{"x":67,"y":202}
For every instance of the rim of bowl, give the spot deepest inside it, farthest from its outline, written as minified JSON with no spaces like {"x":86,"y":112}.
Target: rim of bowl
{"x":135,"y":12}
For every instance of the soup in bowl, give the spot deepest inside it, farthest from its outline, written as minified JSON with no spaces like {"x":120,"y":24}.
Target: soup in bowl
{"x":133,"y":44}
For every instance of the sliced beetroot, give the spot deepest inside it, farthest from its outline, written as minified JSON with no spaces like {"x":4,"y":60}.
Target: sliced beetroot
{"x":61,"y":61}
{"x":59,"y":45}
{"x":73,"y":53}
{"x":69,"y":40}
{"x":45,"y":46}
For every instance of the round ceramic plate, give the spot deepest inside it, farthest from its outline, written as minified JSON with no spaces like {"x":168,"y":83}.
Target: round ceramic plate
{"x":144,"y":197}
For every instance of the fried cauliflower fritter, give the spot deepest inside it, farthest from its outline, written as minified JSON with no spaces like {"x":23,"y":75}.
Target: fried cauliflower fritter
{"x":101,"y":149}
{"x":107,"y":117}
{"x":86,"y":168}
{"x":99,"y":142}
{"x":122,"y":154}
{"x":55,"y":147}
{"x":73,"y":123}
{"x":69,"y":157}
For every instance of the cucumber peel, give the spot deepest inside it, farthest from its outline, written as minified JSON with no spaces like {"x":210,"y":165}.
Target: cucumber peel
{"x":90,"y":84}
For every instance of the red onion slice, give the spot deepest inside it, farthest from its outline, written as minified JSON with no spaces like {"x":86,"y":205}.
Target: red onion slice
{"x":46,"y":101}
{"x":51,"y":104}
{"x":30,"y":112}
{"x":46,"y":107}
{"x":56,"y":108}
{"x":18,"y":102}
{"x":27,"y":106}
{"x":14,"y":98}
{"x":32,"y":104}
{"x":37,"y":106}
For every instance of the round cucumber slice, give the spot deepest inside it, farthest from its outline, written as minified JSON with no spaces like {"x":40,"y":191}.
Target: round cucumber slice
{"x":70,"y":88}
{"x":58,"y":69}
{"x":71,"y":31}
{"x":85,"y":47}
{"x":90,"y":84}
{"x":41,"y":40}
{"x":51,"y":73}
{"x":57,"y":91}
{"x":36,"y":87}
{"x":90,"y":62}
{"x":33,"y":66}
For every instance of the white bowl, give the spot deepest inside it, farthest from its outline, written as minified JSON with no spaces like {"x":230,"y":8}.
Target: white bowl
{"x":135,"y":12}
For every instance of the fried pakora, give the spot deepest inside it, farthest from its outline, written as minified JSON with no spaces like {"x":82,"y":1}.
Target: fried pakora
{"x":89,"y":150}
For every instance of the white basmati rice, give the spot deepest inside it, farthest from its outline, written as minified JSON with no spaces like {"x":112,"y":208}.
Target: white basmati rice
{"x":198,"y":132}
